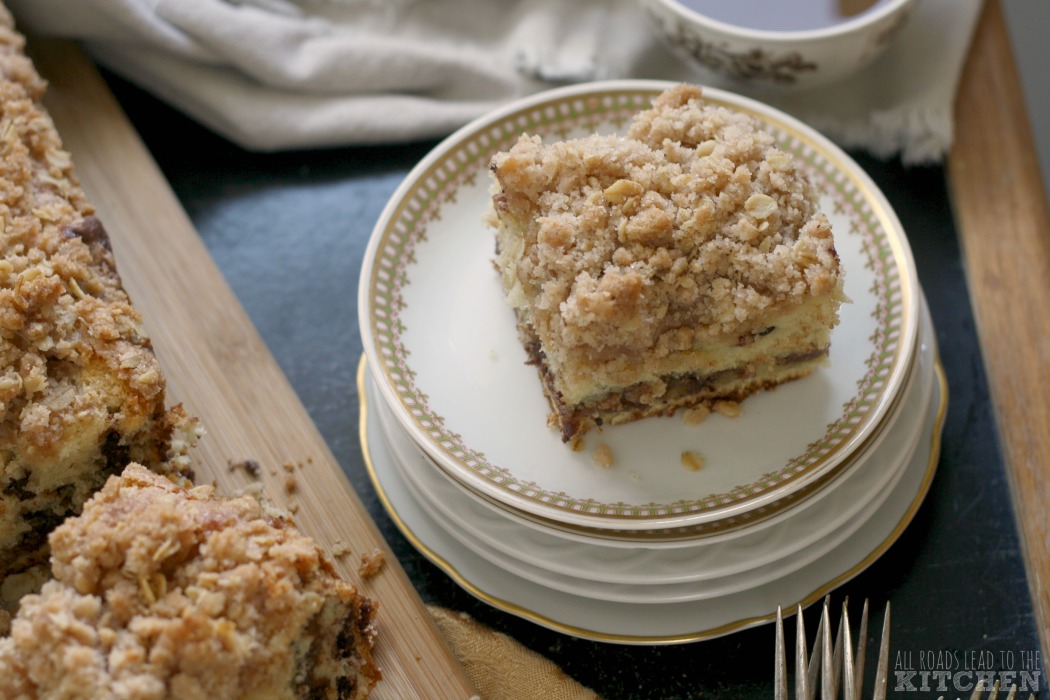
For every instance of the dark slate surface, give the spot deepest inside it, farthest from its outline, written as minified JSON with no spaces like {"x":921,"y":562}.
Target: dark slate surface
{"x":288,"y":230}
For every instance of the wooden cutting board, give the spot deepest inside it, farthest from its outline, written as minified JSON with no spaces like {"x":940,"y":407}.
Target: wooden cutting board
{"x":219,"y":368}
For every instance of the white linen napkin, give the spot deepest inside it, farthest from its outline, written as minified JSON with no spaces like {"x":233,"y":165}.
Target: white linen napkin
{"x":284,"y":74}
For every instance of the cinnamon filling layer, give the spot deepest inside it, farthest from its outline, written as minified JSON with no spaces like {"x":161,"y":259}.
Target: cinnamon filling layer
{"x":678,"y":391}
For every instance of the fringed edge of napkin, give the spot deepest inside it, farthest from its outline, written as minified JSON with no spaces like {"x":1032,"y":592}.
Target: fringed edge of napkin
{"x":917,"y":135}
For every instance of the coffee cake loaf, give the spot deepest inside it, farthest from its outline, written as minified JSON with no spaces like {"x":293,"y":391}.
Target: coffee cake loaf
{"x":164,"y":591}
{"x":81,"y":393}
{"x":682,"y":263}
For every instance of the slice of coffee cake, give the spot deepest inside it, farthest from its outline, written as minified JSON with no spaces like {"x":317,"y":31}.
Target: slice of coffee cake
{"x":81,"y":393}
{"x":163,"y":591}
{"x":682,"y":263}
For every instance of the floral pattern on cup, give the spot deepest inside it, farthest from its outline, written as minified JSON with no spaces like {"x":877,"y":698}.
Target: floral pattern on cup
{"x":752,"y":64}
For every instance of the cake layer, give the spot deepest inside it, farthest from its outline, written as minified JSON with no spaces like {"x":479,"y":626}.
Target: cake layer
{"x":786,"y":330}
{"x":664,"y":395}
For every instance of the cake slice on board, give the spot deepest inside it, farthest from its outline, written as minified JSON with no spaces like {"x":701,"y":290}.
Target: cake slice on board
{"x":81,"y":391}
{"x":163,"y":590}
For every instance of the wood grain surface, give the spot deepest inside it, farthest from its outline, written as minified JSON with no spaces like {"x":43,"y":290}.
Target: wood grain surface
{"x":219,"y":368}
{"x":1004,"y":230}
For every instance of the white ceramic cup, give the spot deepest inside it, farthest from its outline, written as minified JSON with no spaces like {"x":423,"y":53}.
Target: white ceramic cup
{"x":779,"y":60}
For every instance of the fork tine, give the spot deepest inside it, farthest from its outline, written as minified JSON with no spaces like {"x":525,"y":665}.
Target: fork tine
{"x":827,"y":664}
{"x":836,"y":656}
{"x":780,"y":662}
{"x":862,"y":652}
{"x":882,"y":671}
{"x":802,"y":684}
{"x":813,"y":671}
{"x":848,"y":680}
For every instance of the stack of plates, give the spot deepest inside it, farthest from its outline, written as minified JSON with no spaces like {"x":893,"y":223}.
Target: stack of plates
{"x":799,"y":493}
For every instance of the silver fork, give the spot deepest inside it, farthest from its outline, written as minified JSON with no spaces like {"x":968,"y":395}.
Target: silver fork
{"x":833,"y":666}
{"x":837,"y":666}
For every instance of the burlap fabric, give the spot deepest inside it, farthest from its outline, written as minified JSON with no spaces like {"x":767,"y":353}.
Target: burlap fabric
{"x":500,"y":667}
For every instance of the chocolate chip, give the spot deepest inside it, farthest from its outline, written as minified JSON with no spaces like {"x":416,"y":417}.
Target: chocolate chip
{"x":90,"y":230}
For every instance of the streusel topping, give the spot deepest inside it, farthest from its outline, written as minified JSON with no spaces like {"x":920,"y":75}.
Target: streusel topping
{"x":163,"y":591}
{"x":691,"y":226}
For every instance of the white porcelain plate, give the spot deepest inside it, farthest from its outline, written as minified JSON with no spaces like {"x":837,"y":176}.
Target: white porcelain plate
{"x":446,"y":351}
{"x":657,"y":623}
{"x":642,"y":574}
